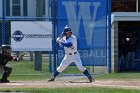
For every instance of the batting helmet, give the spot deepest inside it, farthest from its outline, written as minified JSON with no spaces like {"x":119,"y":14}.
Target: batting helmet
{"x":6,"y":48}
{"x":67,"y":29}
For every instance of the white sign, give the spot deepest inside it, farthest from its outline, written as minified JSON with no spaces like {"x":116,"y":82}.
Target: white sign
{"x":31,"y":36}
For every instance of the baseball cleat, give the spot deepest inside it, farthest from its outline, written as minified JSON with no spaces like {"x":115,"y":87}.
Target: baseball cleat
{"x":50,"y":80}
{"x":4,"y":81}
{"x":91,"y":80}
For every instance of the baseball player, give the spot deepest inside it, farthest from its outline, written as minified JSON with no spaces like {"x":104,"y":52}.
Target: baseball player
{"x":5,"y":56}
{"x":69,"y":42}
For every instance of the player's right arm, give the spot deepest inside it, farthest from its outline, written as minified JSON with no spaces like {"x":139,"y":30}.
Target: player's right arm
{"x":58,"y":40}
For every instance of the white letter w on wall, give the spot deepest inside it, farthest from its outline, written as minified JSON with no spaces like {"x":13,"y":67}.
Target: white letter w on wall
{"x":82,"y":11}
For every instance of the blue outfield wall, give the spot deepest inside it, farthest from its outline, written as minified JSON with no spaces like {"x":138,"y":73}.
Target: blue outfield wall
{"x":88,"y":21}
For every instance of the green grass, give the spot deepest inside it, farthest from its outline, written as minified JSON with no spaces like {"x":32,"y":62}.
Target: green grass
{"x":27,"y":67}
{"x":71,"y":90}
{"x":24,"y":70}
{"x":123,"y":75}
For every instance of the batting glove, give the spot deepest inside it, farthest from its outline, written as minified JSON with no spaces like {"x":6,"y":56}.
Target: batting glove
{"x":58,"y":39}
{"x":15,"y":59}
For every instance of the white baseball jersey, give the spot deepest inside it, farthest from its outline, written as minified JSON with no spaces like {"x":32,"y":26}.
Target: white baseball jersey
{"x":71,"y":54}
{"x":73,"y":40}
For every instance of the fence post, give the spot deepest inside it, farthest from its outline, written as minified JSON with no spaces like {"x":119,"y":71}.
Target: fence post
{"x":109,"y":36}
{"x":54,"y":29}
{"x":3,"y":21}
{"x":38,"y":61}
{"x":50,"y":61}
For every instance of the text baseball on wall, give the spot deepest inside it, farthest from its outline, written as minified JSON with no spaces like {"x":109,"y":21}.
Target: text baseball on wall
{"x":88,"y":21}
{"x":31,"y":36}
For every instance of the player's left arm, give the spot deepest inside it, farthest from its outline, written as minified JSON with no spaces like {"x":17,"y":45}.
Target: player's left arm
{"x":11,"y":58}
{"x":66,"y":44}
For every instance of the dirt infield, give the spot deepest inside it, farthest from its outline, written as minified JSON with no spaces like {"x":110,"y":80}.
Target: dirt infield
{"x":133,"y":84}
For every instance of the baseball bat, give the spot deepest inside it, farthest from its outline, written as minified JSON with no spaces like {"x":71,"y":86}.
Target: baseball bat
{"x":62,"y":32}
{"x":61,"y":35}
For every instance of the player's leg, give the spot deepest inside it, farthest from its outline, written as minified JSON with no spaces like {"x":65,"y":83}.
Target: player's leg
{"x":65,"y":63}
{"x":86,"y":73}
{"x":6,"y":74}
{"x":54,"y":76}
{"x":1,"y":70}
{"x":82,"y":68}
